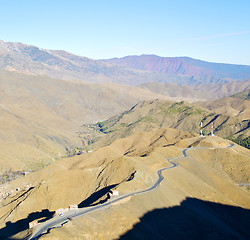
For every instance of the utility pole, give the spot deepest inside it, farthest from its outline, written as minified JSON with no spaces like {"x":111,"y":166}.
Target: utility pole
{"x":201,"y":129}
{"x":212,"y":129}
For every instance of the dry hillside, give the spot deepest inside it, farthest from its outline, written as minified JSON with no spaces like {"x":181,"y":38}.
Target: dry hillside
{"x":150,"y":115}
{"x":204,"y":183}
{"x":229,"y":106}
{"x":39,"y":116}
{"x":203,"y":91}
{"x":245,"y":95}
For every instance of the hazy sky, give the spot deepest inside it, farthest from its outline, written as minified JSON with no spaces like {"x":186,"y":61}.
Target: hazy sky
{"x":211,"y":30}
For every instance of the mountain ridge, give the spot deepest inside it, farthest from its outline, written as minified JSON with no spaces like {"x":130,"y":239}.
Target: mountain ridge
{"x":183,"y":65}
{"x":147,"y":116}
{"x":203,"y":91}
{"x":130,"y":70}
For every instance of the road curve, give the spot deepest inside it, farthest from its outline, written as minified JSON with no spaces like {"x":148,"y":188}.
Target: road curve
{"x":60,"y":220}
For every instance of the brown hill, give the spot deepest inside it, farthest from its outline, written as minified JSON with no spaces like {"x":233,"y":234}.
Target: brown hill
{"x":235,"y":107}
{"x":222,"y":90}
{"x":174,"y":90}
{"x":207,"y":174}
{"x":203,"y":91}
{"x":150,"y":115}
{"x":40,"y":116}
{"x":245,"y":95}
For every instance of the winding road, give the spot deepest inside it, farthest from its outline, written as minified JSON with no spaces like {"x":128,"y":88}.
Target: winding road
{"x":60,"y":220}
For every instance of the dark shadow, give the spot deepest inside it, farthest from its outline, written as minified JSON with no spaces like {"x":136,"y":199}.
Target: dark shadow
{"x":91,"y":200}
{"x":13,"y":228}
{"x":248,"y":126}
{"x":20,"y":196}
{"x":131,"y":176}
{"x":212,"y":120}
{"x":193,"y":219}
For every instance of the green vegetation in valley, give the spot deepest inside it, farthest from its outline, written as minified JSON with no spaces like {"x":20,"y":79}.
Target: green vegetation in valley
{"x":244,"y":142}
{"x":148,"y":115}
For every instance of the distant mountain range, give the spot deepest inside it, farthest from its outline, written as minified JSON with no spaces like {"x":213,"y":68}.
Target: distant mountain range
{"x":63,"y":65}
{"x":130,"y":70}
{"x":183,"y":65}
{"x":52,"y":105}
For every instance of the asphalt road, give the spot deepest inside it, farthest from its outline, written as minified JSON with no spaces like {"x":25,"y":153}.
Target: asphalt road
{"x":60,"y":220}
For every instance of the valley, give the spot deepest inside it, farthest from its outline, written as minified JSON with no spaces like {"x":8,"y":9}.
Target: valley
{"x":150,"y":115}
{"x":111,"y":149}
{"x":40,"y":116}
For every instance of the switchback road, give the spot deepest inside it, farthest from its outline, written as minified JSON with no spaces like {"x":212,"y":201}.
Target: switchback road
{"x":60,"y":220}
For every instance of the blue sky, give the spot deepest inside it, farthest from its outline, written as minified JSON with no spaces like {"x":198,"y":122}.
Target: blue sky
{"x":211,"y":30}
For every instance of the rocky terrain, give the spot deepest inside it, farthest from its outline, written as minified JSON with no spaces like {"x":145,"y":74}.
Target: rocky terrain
{"x":40,"y":116}
{"x":72,"y":129}
{"x":150,"y":115}
{"x":203,"y":188}
{"x":214,"y":177}
{"x":237,"y":105}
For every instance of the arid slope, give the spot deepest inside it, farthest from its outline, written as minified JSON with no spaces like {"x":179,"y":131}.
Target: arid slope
{"x":150,"y":115}
{"x":204,"y":175}
{"x":197,"y":199}
{"x":203,"y":91}
{"x":229,"y":106}
{"x":40,"y":116}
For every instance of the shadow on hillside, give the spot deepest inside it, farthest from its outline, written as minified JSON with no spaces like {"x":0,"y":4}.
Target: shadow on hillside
{"x":13,"y":228}
{"x":193,"y":219}
{"x":92,"y":199}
